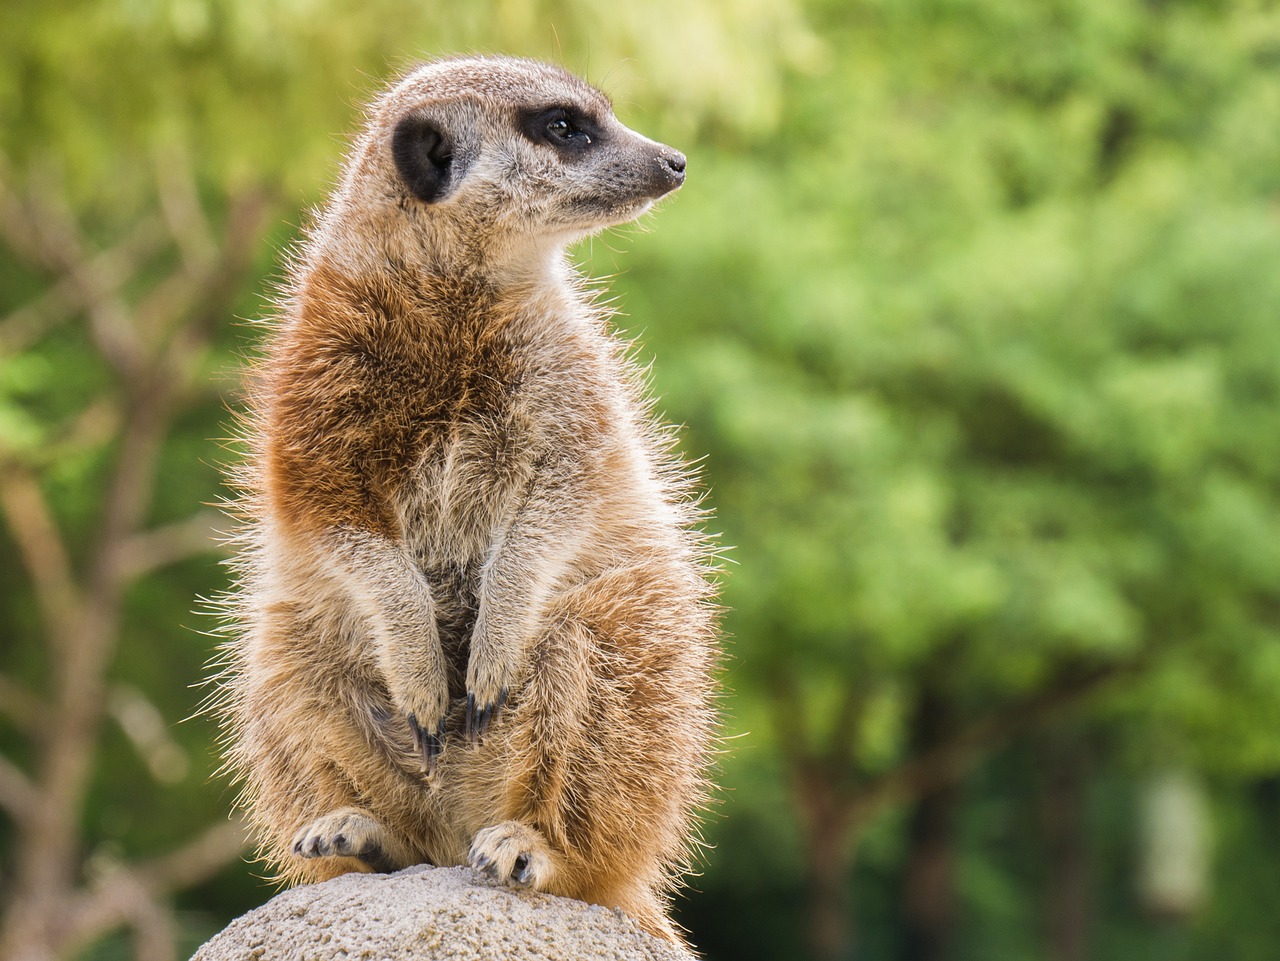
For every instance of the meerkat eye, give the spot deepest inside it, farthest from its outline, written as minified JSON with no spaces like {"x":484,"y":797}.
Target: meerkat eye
{"x":559,"y":128}
{"x":564,"y":128}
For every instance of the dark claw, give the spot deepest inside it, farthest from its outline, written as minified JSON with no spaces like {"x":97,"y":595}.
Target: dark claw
{"x":434,"y":745}
{"x":419,"y":735}
{"x":493,"y":711}
{"x":429,"y":745}
{"x":478,"y":722}
{"x":520,"y":870}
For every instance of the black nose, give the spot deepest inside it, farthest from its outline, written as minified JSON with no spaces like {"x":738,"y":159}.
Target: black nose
{"x":671,"y":169}
{"x":663,"y":171}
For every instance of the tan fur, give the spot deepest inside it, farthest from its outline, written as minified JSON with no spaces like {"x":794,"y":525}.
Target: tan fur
{"x":455,"y":487}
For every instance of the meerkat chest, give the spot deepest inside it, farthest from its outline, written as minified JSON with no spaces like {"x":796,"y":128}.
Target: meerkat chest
{"x":469,"y":476}
{"x":482,"y":441}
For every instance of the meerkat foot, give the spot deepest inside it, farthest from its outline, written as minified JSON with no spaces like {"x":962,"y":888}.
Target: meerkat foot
{"x":349,"y":833}
{"x":515,"y":854}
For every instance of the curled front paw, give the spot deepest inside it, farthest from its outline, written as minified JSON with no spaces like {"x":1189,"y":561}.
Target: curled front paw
{"x":428,"y":744}
{"x":513,"y":853}
{"x":424,"y":706}
{"x":347,"y":833}
{"x":495,"y":670}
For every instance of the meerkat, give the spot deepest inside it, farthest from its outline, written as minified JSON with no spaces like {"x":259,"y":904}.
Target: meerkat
{"x":474,"y":620}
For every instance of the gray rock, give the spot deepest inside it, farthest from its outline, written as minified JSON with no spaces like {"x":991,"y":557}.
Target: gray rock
{"x":426,"y":913}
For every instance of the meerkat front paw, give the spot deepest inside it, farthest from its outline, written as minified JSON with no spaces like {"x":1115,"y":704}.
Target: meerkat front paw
{"x":429,"y":744}
{"x":350,"y":833}
{"x":493,"y":672}
{"x":515,"y":854}
{"x":424,"y":701}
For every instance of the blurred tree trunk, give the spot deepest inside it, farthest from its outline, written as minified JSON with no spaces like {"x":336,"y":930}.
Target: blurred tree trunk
{"x":928,"y":884}
{"x":836,"y":798}
{"x":1064,"y":805}
{"x":830,"y":846}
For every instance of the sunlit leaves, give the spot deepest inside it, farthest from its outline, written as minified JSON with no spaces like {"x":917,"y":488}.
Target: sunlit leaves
{"x":984,"y":347}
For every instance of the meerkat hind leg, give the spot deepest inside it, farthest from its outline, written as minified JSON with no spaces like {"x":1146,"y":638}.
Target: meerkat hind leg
{"x":514,"y":853}
{"x":352,"y":833}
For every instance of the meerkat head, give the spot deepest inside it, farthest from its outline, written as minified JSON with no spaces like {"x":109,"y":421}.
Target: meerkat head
{"x":505,"y":154}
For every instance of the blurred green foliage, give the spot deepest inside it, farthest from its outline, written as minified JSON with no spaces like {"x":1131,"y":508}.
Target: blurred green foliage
{"x":973,"y":307}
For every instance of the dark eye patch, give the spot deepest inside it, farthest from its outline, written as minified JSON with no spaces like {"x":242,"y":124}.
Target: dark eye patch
{"x":565,"y":128}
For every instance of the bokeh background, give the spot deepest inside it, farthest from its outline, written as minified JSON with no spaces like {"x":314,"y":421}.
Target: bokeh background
{"x":973,"y":308}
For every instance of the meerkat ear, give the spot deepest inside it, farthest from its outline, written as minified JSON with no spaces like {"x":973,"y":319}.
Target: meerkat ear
{"x":424,"y":157}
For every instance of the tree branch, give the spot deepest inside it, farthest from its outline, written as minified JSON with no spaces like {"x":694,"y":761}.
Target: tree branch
{"x":132,"y":483}
{"x":947,"y":762}
{"x":218,"y":285}
{"x":18,"y":795}
{"x":145,"y":727}
{"x":40,"y":545}
{"x":155,"y":932}
{"x":183,"y":213}
{"x":120,"y":892}
{"x":196,"y":861}
{"x":41,"y":226}
{"x":150,"y":550}
{"x":848,"y":723}
{"x":16,"y":225}
{"x":103,"y":276}
{"x":119,"y":898}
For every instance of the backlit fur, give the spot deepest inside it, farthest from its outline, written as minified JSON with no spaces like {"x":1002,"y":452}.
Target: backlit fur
{"x":454,"y":487}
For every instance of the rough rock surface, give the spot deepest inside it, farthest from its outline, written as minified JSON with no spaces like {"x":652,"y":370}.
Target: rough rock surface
{"x":426,"y":913}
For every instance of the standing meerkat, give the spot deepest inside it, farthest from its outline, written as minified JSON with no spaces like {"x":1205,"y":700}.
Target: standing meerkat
{"x":474,"y":621}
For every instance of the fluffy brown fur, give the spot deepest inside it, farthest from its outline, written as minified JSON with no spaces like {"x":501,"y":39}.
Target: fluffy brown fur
{"x":474,"y":622}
